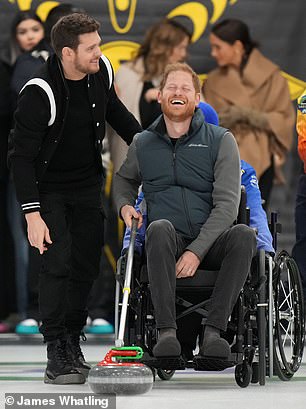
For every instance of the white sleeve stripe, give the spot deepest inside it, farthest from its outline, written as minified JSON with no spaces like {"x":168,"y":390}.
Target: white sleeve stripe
{"x":109,"y":69}
{"x":46,"y":87}
{"x":30,"y":204}
{"x":31,"y":207}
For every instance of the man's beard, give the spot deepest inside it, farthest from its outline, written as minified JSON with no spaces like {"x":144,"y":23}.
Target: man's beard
{"x":86,"y":69}
{"x":177,"y":116}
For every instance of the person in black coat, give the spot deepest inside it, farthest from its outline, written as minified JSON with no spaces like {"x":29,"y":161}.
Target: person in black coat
{"x":8,"y":302}
{"x":27,"y":33}
{"x":58,"y":173}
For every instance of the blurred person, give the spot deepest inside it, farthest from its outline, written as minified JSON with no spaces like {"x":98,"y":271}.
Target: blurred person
{"x":8,"y":302}
{"x":258,"y":217}
{"x":26,"y":32}
{"x":252,"y":99}
{"x":28,"y":52}
{"x":30,"y":42}
{"x":210,"y":114}
{"x":137,"y":81}
{"x":29,"y":46}
{"x":299,"y":248}
{"x":56,"y":163}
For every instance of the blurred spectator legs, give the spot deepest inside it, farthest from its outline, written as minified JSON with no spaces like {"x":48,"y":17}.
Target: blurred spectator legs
{"x":21,"y":247}
{"x":30,"y":325}
{"x":8,"y":302}
{"x":101,"y":301}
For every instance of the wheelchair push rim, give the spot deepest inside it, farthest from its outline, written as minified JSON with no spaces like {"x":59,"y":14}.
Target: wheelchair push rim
{"x":289,"y":325}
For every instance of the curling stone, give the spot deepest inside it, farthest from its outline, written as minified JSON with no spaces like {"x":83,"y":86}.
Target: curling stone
{"x":121,"y":378}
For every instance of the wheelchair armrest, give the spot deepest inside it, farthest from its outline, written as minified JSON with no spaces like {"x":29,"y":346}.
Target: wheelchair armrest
{"x":243,"y":212}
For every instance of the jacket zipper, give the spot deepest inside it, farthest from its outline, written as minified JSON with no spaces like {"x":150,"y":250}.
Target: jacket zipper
{"x":174,"y":165}
{"x":187,"y":212}
{"x":183,"y":190}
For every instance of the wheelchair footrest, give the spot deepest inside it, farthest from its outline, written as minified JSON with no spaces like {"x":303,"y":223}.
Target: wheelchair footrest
{"x":173,"y":363}
{"x":204,"y":363}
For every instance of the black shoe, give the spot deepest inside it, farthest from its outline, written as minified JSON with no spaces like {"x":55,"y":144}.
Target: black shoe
{"x":167,"y":344}
{"x":76,"y":354}
{"x":213,"y":345}
{"x":60,"y":370}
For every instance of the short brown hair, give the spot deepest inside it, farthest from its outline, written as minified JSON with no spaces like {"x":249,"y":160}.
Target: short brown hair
{"x":179,"y":66}
{"x":65,"y":33}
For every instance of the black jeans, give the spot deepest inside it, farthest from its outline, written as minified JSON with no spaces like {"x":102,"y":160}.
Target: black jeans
{"x":71,"y":263}
{"x":231,"y":254}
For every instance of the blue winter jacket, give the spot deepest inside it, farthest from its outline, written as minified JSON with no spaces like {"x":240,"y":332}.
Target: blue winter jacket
{"x":258,"y":218}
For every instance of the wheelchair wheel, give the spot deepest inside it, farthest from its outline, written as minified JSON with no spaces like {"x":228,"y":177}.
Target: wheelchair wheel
{"x":243,"y":374}
{"x":165,"y":374}
{"x":289,"y":325}
{"x":261,"y":320}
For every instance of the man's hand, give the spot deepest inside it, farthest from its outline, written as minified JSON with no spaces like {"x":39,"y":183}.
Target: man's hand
{"x":127,"y":213}
{"x":38,"y":232}
{"x":187,"y":264}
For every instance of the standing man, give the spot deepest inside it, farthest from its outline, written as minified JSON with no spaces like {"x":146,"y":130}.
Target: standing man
{"x":190,"y":175}
{"x":56,"y":161}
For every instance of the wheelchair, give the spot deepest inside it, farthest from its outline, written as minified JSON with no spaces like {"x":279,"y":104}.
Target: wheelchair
{"x":266,"y":328}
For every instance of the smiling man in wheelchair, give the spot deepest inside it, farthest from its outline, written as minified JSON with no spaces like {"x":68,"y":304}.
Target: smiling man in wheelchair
{"x":190,"y":176}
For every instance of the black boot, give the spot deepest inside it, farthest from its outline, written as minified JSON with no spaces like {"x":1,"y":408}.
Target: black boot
{"x":213,"y":345}
{"x":60,"y":370}
{"x":76,"y":354}
{"x":167,"y":344}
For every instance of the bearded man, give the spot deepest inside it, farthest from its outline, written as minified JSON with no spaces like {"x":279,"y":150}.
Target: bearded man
{"x":58,"y":174}
{"x":190,"y":176}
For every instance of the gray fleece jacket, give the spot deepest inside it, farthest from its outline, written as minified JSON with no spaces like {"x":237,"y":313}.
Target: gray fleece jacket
{"x":194,"y":184}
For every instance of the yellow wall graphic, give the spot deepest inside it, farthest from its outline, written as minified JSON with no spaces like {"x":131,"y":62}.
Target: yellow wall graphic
{"x":197,"y":12}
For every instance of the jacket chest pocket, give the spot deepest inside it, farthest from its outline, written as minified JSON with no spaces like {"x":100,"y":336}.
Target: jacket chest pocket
{"x":195,"y":162}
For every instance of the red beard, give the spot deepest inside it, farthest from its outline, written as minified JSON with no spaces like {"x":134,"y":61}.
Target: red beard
{"x":177,"y":113}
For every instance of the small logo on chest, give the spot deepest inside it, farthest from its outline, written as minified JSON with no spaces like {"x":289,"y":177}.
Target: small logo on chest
{"x":197,"y":145}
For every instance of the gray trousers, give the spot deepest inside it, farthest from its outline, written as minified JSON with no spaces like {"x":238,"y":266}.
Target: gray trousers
{"x":230,"y":255}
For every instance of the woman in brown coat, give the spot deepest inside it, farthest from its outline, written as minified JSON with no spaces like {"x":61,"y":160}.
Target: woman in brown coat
{"x":252,"y":99}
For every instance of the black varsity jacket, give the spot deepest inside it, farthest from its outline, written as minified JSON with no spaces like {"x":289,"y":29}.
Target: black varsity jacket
{"x":40,"y":118}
